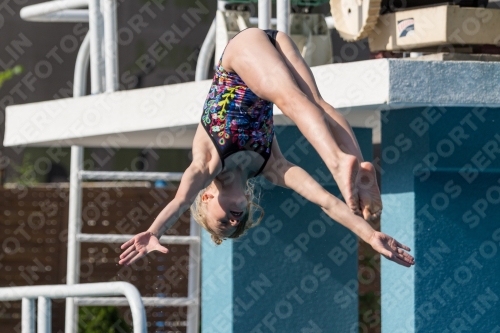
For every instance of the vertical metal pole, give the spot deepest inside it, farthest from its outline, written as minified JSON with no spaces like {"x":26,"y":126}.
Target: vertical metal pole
{"x":44,"y":315}
{"x":110,"y":45}
{"x":264,"y":14}
{"x":193,"y":314}
{"x":74,"y":228}
{"x":96,"y":59}
{"x":28,"y":315}
{"x":283,"y":16}
{"x":75,"y":191}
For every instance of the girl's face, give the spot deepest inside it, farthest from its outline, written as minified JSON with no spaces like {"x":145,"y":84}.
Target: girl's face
{"x":225,"y":209}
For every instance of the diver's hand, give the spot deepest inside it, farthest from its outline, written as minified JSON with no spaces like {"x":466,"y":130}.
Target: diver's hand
{"x":391,"y":249}
{"x":140,"y":245}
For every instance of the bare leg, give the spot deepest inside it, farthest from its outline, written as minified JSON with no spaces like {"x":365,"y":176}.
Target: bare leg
{"x":369,"y":193}
{"x":262,"y":68}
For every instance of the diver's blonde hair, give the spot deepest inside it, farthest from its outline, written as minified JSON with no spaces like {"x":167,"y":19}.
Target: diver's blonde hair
{"x":198,"y":212}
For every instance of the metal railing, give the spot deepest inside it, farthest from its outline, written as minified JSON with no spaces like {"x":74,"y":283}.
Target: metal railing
{"x":129,"y":175}
{"x":44,"y":294}
{"x":57,"y":11}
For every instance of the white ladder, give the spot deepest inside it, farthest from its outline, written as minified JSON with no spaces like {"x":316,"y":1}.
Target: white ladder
{"x":75,"y":237}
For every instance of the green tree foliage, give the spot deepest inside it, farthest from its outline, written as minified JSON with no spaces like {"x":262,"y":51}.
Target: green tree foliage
{"x":101,"y":319}
{"x":9,"y":73}
{"x":26,"y":174}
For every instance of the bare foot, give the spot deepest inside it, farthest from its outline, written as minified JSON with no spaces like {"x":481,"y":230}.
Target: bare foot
{"x":369,"y":193}
{"x":345,"y":175}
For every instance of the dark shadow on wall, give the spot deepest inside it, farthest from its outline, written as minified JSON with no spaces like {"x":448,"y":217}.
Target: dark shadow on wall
{"x":348,"y":52}
{"x":57,"y":174}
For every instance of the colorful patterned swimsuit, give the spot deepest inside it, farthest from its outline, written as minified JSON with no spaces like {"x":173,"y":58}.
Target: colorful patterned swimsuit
{"x":235,"y":118}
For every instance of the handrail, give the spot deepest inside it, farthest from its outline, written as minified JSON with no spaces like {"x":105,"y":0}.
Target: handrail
{"x":77,"y":290}
{"x":56,"y":11}
{"x":116,"y":238}
{"x":206,"y":52}
{"x":147,"y":301}
{"x":129,"y":175}
{"x":81,"y":68}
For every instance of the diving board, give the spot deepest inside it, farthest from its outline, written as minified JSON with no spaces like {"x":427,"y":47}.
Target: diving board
{"x":166,"y":116}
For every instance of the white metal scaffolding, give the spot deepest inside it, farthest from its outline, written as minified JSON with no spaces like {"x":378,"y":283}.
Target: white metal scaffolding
{"x":101,"y":48}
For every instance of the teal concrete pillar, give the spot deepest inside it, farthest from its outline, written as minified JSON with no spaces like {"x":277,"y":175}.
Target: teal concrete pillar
{"x":296,"y":271}
{"x":441,"y":192}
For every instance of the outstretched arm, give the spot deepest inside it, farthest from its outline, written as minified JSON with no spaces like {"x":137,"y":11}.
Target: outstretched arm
{"x":194,"y":179}
{"x":284,"y":173}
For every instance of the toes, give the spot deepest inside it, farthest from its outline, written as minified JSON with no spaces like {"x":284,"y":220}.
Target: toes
{"x":367,"y":215}
{"x":356,"y":210}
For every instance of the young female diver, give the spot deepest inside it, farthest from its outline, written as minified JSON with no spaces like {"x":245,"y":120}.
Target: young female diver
{"x":235,"y":141}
